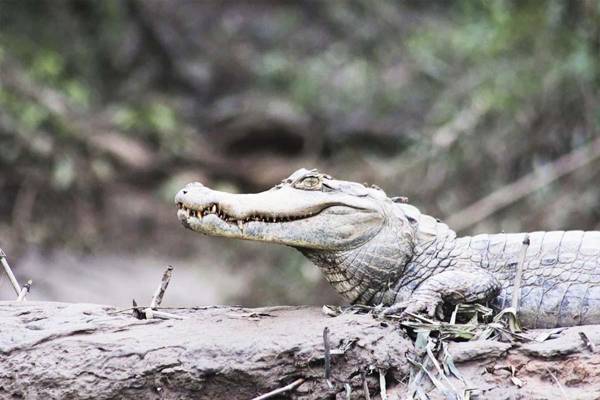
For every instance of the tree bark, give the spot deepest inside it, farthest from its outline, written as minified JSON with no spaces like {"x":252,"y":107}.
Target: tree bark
{"x":85,"y":351}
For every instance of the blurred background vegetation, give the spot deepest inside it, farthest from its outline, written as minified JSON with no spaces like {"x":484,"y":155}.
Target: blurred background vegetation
{"x":108,"y":107}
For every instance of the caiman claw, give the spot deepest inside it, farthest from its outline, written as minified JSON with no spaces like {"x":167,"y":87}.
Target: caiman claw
{"x":432,"y":307}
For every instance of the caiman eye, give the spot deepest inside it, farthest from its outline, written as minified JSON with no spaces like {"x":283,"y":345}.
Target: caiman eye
{"x":309,"y":183}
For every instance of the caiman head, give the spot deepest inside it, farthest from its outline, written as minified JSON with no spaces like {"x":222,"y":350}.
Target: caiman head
{"x":330,"y":221}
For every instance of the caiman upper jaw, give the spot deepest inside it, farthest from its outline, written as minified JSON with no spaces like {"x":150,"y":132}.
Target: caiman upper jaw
{"x":285,"y":215}
{"x":198,"y":206}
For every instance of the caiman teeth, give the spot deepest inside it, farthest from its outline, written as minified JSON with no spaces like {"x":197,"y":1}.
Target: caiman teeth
{"x":216,"y":210}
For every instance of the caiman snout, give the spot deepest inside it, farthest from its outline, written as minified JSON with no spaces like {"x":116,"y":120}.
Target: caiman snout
{"x":189,"y":188}
{"x":197,"y":201}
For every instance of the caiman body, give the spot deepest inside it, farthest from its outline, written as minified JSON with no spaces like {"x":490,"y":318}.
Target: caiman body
{"x":378,"y":251}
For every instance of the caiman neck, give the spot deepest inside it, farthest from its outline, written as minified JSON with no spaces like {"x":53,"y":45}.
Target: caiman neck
{"x":433,"y":251}
{"x":360,"y":273}
{"x":376,"y":271}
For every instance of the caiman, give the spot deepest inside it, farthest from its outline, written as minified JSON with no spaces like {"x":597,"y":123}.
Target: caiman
{"x":377,"y":250}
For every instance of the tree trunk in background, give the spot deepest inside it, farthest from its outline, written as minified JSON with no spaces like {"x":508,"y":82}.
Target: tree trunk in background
{"x":75,"y":351}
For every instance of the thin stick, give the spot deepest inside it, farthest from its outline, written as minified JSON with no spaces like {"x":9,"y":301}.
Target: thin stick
{"x":137,"y":311}
{"x":436,"y":364}
{"x":413,"y":384}
{"x":382,"y":389}
{"x":284,"y":389}
{"x":365,"y":386}
{"x":160,"y":290}
{"x":587,"y":342}
{"x":562,"y":390}
{"x":24,"y":291}
{"x":327,"y":357}
{"x":11,"y":276}
{"x":432,"y":378}
{"x":348,"y":390}
{"x":516,"y":294}
{"x":150,"y":314}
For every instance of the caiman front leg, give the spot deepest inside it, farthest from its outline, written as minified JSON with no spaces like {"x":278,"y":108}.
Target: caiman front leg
{"x":467,"y":285}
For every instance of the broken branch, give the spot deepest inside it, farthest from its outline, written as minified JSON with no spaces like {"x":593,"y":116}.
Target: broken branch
{"x":24,"y":291}
{"x":284,"y":389}
{"x":160,"y":290}
{"x":327,"y":362}
{"x":9,"y":273}
{"x":513,"y":192}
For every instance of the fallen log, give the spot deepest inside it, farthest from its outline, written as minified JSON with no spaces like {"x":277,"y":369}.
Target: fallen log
{"x":81,"y":351}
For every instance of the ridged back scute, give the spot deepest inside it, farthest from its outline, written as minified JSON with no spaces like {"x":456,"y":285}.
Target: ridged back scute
{"x":427,"y":228}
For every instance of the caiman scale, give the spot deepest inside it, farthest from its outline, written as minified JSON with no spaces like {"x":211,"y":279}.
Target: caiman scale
{"x":376,"y":250}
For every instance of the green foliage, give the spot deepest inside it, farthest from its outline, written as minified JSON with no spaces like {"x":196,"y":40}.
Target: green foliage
{"x":154,"y":121}
{"x":47,"y":66}
{"x":513,"y":52}
{"x":78,"y":93}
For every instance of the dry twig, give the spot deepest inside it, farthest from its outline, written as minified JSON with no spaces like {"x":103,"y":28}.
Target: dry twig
{"x":160,"y":290}
{"x":150,"y":314}
{"x":365,"y":386}
{"x":152,"y":311}
{"x":516,"y":294}
{"x":327,"y":357}
{"x":9,"y":273}
{"x":24,"y":291}
{"x":588,"y":343}
{"x":348,"y":390}
{"x":284,"y":389}
{"x":137,"y":311}
{"x":562,"y":389}
{"x":382,"y":385}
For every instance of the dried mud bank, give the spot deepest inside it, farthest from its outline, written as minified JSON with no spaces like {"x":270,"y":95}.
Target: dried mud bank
{"x":78,"y":351}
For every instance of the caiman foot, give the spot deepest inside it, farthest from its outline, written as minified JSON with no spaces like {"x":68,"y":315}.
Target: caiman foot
{"x":431,"y":306}
{"x":462,"y":285}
